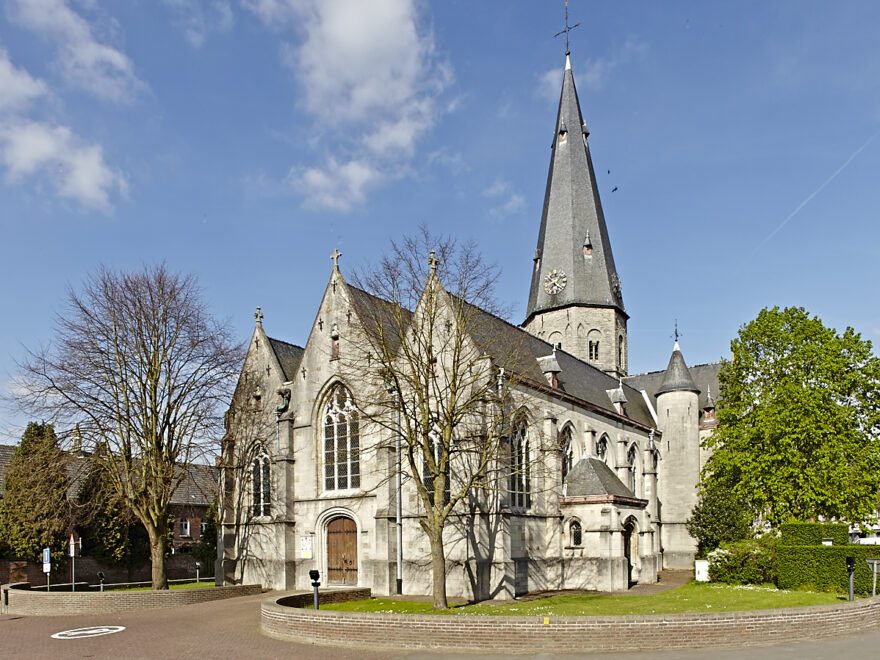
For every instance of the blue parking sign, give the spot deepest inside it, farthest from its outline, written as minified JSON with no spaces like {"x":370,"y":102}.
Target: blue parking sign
{"x":47,"y":557}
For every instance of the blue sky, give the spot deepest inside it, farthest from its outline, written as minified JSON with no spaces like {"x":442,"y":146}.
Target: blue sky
{"x":244,"y":140}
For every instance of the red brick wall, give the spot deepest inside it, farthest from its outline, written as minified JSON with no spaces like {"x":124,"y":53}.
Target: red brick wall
{"x":509,"y":634}
{"x":19,"y":599}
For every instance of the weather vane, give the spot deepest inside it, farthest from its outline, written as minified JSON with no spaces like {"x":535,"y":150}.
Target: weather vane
{"x":676,"y":334}
{"x":568,"y":28}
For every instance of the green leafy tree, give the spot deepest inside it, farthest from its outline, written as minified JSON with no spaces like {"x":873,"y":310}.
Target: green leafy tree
{"x":720,"y":516}
{"x":35,"y":512}
{"x":798,"y":420}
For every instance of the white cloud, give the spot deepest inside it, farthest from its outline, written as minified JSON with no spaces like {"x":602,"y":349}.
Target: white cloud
{"x":198,"y":19}
{"x":82,"y":60}
{"x":17,"y":87}
{"x":338,"y":186}
{"x":29,"y":148}
{"x":369,"y":74}
{"x":76,"y":168}
{"x":510,"y":201}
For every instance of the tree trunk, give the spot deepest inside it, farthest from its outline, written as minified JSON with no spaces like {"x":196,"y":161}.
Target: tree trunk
{"x":438,"y":566}
{"x":158,"y":541}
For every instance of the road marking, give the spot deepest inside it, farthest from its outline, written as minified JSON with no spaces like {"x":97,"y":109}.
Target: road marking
{"x":95,"y":631}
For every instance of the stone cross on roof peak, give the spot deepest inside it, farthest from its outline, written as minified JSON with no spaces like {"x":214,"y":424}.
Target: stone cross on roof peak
{"x":259,"y":316}
{"x":432,"y":262}
{"x":335,"y":256}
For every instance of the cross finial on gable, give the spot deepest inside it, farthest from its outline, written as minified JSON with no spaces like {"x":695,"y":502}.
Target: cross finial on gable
{"x":259,"y":316}
{"x":568,"y":28}
{"x":432,"y":262}
{"x":335,"y":256}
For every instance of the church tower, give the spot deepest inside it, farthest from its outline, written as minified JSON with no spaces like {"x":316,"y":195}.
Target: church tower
{"x":575,"y":297}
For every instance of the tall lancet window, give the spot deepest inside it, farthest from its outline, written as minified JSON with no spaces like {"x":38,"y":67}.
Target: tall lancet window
{"x":261,"y":485}
{"x":520,"y":483}
{"x":565,"y":446}
{"x":341,"y":441}
{"x":631,"y":468}
{"x":602,"y":448}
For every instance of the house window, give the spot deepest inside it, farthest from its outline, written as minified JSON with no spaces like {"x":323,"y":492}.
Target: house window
{"x":594,"y":349}
{"x":184,"y":527}
{"x":631,"y":468}
{"x":576,"y":535}
{"x":261,"y":497}
{"x":565,"y":446}
{"x":341,"y":441}
{"x":602,"y":448}
{"x":520,"y":486}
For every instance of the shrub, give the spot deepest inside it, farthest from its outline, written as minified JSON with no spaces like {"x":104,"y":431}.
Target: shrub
{"x":824,"y":567}
{"x":751,"y":561}
{"x":812,"y":533}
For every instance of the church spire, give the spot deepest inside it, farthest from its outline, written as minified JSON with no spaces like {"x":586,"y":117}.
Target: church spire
{"x":573,"y":263}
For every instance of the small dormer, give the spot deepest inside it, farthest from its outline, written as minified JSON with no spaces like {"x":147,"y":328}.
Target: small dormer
{"x":550,"y":368}
{"x":618,"y":398}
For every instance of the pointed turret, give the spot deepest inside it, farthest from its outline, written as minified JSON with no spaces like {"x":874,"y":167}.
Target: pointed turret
{"x":573,"y":265}
{"x":677,"y":378}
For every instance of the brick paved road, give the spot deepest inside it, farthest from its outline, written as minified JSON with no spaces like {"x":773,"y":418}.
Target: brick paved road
{"x":230,"y":629}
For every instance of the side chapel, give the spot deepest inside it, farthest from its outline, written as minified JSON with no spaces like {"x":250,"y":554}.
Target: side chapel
{"x":621,"y":453}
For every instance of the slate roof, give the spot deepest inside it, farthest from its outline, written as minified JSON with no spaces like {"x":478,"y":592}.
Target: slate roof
{"x":590,"y":477}
{"x":198,"y":488}
{"x":573,"y":216}
{"x":289,"y":356}
{"x":704,"y":376}
{"x":677,"y":377}
{"x":514,"y":348}
{"x":372,"y":309}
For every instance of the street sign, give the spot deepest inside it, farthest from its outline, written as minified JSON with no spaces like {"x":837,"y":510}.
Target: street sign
{"x":47,"y":567}
{"x":71,"y":547}
{"x":47,"y":555}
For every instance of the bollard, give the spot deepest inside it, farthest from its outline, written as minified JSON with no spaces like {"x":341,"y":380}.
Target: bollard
{"x":315,"y":575}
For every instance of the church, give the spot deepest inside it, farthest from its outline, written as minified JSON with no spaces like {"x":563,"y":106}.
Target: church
{"x":609,"y":461}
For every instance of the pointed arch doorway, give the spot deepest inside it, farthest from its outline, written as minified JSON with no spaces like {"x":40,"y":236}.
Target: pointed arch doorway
{"x":630,"y":549}
{"x":342,"y":559}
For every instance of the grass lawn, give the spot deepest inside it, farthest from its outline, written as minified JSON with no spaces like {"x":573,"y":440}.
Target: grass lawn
{"x":692,"y":597}
{"x":183,"y":585}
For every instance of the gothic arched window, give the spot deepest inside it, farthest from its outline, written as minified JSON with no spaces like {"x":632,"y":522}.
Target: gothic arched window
{"x":631,"y":468}
{"x":261,"y":485}
{"x":576,"y":534}
{"x":565,"y":446}
{"x":602,"y":448}
{"x":520,"y":485}
{"x":341,"y":441}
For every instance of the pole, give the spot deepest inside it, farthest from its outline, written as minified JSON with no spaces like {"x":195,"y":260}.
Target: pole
{"x":399,"y":506}
{"x":72,"y":568}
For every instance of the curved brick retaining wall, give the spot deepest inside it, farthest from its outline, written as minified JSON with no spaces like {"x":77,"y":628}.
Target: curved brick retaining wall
{"x":19,"y":599}
{"x":510,"y":634}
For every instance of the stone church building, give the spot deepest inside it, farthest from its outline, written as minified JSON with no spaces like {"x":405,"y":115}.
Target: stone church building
{"x":614,"y":458}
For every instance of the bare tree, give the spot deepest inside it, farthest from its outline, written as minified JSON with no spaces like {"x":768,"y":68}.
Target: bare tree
{"x":140,"y":364}
{"x":445,"y":368}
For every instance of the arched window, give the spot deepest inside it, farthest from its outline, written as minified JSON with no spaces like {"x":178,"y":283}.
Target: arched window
{"x":602,"y":448}
{"x":341,"y":441}
{"x":565,"y":446}
{"x":576,"y":535}
{"x":631,"y":468}
{"x":261,"y":485}
{"x":520,"y":495}
{"x":620,"y":351}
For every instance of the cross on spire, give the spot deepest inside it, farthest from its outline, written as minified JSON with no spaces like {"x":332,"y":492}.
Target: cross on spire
{"x":335,"y":256}
{"x":676,"y":334}
{"x":432,"y":262}
{"x":568,"y":28}
{"x":259,"y":316}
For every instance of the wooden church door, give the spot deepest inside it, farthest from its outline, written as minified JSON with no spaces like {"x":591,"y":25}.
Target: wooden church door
{"x":342,"y":565}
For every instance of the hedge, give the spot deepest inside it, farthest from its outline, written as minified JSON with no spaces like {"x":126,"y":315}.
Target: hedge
{"x":812,"y":533}
{"x":824,"y":567}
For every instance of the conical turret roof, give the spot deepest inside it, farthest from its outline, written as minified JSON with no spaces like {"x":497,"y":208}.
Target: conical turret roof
{"x":573,"y":263}
{"x":677,"y":378}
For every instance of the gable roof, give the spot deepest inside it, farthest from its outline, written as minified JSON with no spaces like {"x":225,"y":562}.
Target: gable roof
{"x":289,"y":356}
{"x":590,"y":476}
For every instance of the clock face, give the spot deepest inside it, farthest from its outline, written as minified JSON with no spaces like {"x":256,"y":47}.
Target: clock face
{"x":555,"y":282}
